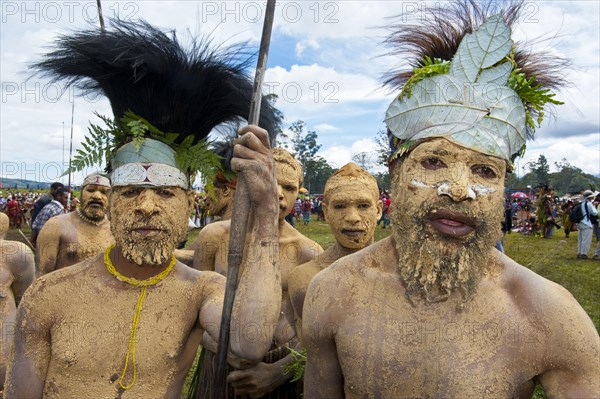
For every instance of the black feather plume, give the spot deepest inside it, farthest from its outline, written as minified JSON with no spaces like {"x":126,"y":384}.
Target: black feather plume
{"x":143,"y":70}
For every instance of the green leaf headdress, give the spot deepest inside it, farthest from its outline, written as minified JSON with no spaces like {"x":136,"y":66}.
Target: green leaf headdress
{"x":469,"y":82}
{"x":165,"y":99}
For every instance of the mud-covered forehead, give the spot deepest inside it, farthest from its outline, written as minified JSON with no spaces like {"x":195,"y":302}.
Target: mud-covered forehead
{"x":351,"y":173}
{"x":288,"y":165}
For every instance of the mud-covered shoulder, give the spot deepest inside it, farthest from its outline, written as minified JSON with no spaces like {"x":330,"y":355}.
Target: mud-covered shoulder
{"x":213,"y":232}
{"x":49,"y":294}
{"x":201,"y":282}
{"x":531,"y":291}
{"x":549,"y":306}
{"x":15,"y":251}
{"x":309,"y":249}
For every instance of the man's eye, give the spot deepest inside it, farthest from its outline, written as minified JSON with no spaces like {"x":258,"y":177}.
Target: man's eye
{"x":289,"y":188}
{"x":132,"y":192}
{"x":364,"y":205}
{"x":338,"y":206}
{"x":166,"y":193}
{"x":484,"y":171}
{"x":433,"y":163}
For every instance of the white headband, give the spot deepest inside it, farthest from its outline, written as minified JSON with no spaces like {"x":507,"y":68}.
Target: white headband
{"x":148,"y":174}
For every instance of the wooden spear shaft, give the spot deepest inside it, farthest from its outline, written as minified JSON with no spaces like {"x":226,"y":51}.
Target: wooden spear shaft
{"x":241,"y":212}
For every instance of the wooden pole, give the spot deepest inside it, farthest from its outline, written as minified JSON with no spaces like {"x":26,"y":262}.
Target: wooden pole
{"x":29,"y":244}
{"x":71,"y":154}
{"x":241,"y":212}
{"x":100,"y":16}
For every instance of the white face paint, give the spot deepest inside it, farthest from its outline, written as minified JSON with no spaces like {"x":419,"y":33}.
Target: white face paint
{"x":444,"y":188}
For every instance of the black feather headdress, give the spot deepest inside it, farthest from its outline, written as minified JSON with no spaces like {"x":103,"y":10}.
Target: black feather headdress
{"x":149,"y":76}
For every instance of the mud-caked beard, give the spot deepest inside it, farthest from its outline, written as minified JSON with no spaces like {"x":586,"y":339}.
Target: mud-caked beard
{"x":149,"y":250}
{"x":94,"y":213}
{"x":433,"y":266}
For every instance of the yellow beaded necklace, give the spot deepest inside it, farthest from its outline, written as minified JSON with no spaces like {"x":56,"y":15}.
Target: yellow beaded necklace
{"x":138,"y":309}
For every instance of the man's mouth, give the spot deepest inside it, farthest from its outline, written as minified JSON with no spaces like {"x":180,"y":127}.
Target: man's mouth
{"x":147,"y":231}
{"x":353,"y":232}
{"x":452,"y":224}
{"x":96,"y":204}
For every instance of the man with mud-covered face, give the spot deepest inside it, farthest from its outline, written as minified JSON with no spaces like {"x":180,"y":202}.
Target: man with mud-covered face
{"x":70,"y":238}
{"x":180,"y":304}
{"x":435,"y":310}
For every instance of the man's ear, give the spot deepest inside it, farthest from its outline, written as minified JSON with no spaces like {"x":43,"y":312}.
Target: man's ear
{"x":191,"y":200}
{"x":379,"y":209}
{"x":226,"y":191}
{"x":324,"y":209}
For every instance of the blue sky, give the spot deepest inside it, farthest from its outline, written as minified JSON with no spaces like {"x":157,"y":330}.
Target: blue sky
{"x":325,"y":65}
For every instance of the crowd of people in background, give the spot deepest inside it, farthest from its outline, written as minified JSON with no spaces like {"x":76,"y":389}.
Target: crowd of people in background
{"x":544,"y":214}
{"x":20,"y":206}
{"x":540,"y":215}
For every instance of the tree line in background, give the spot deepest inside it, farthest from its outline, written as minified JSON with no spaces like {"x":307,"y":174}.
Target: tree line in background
{"x":568,"y":179}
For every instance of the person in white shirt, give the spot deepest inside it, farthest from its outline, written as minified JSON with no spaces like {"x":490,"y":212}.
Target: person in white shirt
{"x":585,"y":227}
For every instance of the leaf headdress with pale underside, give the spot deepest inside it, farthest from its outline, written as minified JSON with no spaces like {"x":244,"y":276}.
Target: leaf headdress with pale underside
{"x":468,"y":83}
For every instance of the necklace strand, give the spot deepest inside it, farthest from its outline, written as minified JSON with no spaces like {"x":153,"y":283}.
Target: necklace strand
{"x":87,"y":219}
{"x":144,"y":284}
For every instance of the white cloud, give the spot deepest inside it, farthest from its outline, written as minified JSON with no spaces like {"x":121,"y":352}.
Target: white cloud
{"x":325,"y":127}
{"x":314,"y":89}
{"x":339,"y":155}
{"x":304,"y":44}
{"x":582,"y":152}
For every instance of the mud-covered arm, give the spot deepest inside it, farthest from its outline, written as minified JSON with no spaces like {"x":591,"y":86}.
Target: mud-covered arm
{"x":258,"y":297}
{"x":323,"y":376}
{"x":573,"y":350}
{"x":207,"y":245}
{"x":30,"y":357}
{"x":23,"y":269}
{"x":298,"y":281}
{"x":47,"y":246}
